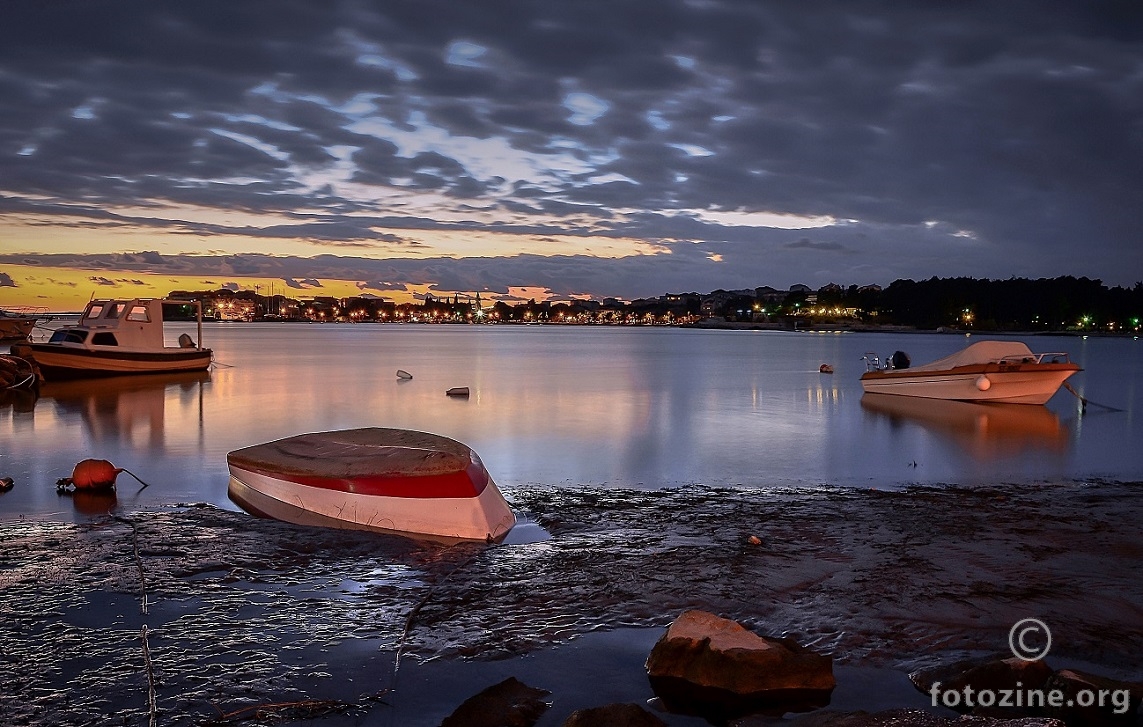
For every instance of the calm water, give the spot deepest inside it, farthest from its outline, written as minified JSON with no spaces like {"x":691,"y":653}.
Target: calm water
{"x":611,"y":407}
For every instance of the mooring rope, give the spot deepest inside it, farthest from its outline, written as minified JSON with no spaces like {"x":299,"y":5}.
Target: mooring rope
{"x":138,"y":560}
{"x":152,"y":702}
{"x":1084,"y":401}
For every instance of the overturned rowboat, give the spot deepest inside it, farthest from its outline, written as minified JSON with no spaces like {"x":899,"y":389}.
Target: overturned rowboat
{"x":383,"y":480}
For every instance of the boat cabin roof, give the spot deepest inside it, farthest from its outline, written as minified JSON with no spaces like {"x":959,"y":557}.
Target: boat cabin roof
{"x":981,"y":352}
{"x":134,"y":322}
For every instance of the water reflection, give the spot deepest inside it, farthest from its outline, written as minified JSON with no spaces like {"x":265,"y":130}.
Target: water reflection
{"x":984,"y":431}
{"x":90,"y":502}
{"x":130,"y":408}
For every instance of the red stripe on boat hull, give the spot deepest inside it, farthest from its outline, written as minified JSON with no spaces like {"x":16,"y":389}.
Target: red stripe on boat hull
{"x":469,"y":482}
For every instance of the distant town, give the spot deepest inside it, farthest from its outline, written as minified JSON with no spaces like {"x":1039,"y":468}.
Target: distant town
{"x":1049,"y":305}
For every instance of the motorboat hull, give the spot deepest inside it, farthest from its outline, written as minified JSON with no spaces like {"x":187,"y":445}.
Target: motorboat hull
{"x":380,"y":480}
{"x":63,"y":362}
{"x":16,"y":329}
{"x":995,"y":382}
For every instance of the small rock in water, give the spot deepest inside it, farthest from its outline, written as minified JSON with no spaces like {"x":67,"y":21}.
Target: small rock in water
{"x":614,"y":715}
{"x":511,"y":703}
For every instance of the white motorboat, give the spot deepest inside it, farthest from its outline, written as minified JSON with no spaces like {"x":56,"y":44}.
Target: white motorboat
{"x":16,"y":324}
{"x":377,"y":479}
{"x":115,"y":337}
{"x":987,"y":371}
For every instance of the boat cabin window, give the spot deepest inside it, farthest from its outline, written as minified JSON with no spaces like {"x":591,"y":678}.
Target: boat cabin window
{"x":68,"y":336}
{"x":138,"y":313}
{"x":104,"y":338}
{"x":94,"y":311}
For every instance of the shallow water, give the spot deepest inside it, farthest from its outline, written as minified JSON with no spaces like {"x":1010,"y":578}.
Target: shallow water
{"x":574,"y":406}
{"x":242,"y":611}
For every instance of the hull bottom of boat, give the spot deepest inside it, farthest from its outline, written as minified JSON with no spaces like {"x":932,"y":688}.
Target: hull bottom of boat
{"x":81,"y":364}
{"x":1002,"y":388}
{"x":485,"y":517}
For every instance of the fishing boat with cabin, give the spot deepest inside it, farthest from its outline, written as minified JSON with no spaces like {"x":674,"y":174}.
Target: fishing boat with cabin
{"x":115,"y":337}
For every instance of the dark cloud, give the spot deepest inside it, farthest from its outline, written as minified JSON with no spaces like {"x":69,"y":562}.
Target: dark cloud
{"x":302,"y":284}
{"x":808,"y":244}
{"x":100,"y":280}
{"x":989,"y":140}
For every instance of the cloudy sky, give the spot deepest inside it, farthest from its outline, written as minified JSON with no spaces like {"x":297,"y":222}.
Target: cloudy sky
{"x":537,"y":148}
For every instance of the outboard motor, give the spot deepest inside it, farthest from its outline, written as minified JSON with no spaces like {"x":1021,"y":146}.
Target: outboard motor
{"x":899,"y":360}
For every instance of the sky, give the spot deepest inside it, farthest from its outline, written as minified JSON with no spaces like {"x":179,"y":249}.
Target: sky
{"x":530,"y":148}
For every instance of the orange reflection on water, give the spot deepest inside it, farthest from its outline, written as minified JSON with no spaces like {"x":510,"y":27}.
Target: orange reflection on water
{"x":984,"y":431}
{"x":128,"y":408}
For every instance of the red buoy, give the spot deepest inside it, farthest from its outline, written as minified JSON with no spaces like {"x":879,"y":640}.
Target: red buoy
{"x":94,"y":474}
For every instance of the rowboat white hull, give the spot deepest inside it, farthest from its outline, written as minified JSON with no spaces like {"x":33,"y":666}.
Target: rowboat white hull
{"x":484,"y":517}
{"x":62,"y":362}
{"x":1034,"y":384}
{"x":376,"y":479}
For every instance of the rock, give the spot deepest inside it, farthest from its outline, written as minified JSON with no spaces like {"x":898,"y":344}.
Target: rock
{"x":992,"y":674}
{"x":614,"y":715}
{"x":716,"y":668}
{"x":903,"y":718}
{"x":511,"y":703}
{"x":1120,"y":700}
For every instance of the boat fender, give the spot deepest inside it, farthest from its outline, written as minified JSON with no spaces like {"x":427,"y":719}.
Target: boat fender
{"x":185,"y":341}
{"x":983,"y":383}
{"x":94,"y":474}
{"x":900,"y":360}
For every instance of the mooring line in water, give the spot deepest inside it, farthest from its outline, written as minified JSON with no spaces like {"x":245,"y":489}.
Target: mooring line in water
{"x":412,"y":616}
{"x":152,"y":703}
{"x":1084,"y":401}
{"x":138,"y":560}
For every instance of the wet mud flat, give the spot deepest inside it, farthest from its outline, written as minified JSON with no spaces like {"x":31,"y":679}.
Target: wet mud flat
{"x":191,"y":614}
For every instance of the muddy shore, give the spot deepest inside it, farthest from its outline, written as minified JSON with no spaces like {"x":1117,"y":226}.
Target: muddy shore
{"x":238,"y":611}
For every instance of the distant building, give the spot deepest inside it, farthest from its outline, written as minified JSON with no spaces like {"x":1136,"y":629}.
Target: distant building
{"x":234,"y":309}
{"x":767,"y":294}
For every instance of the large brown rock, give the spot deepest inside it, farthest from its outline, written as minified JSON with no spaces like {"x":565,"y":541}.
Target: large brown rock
{"x":511,"y":703}
{"x":1111,"y":702}
{"x":992,"y":674}
{"x":716,"y":668}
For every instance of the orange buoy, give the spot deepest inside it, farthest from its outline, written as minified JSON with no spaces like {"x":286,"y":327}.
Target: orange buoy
{"x":94,"y":474}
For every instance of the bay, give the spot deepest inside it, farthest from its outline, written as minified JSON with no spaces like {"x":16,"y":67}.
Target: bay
{"x":611,"y":407}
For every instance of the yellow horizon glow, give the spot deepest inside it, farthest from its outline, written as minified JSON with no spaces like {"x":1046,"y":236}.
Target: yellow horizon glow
{"x":68,"y":290}
{"x":31,"y":235}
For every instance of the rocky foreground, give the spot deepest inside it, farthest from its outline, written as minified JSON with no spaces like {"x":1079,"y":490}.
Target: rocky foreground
{"x":192,"y":615}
